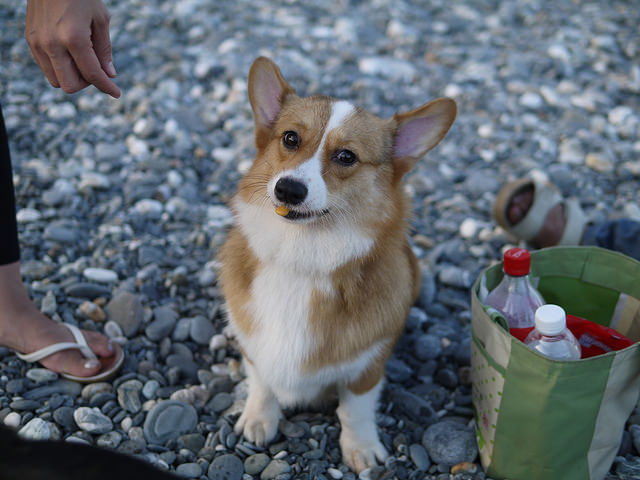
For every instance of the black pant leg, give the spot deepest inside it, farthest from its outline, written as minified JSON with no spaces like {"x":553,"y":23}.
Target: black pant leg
{"x":9,"y":247}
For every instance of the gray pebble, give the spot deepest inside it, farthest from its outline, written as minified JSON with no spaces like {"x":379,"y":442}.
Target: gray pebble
{"x":419,"y":457}
{"x":450,"y":443}
{"x":38,"y":429}
{"x":201,"y":330}
{"x":169,"y":419}
{"x":274,"y":469}
{"x":92,"y":420}
{"x":164,"y":320}
{"x":226,"y":467}
{"x":189,"y":470}
{"x":255,"y":464}
{"x":129,"y":395}
{"x":126,"y":310}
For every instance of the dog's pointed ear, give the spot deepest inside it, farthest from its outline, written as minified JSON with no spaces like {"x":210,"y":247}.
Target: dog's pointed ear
{"x":419,"y":130}
{"x":267,"y":92}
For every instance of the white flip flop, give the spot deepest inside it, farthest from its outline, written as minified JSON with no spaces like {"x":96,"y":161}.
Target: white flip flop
{"x":110,"y":365}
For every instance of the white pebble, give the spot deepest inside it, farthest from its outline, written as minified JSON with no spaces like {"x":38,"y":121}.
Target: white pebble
{"x":28,"y":215}
{"x":217,"y":342}
{"x":149,"y":207}
{"x":12,"y":420}
{"x":468,"y":228}
{"x":335,"y":473}
{"x":101,"y":275}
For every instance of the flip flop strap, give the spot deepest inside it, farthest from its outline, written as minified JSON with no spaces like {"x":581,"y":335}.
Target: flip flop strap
{"x":576,"y":220}
{"x":545,"y":198}
{"x":81,"y":344}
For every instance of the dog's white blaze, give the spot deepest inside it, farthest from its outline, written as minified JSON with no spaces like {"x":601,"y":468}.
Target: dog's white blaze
{"x":310,"y":171}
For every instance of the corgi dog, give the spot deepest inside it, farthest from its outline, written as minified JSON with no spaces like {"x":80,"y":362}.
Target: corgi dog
{"x":317,"y":272}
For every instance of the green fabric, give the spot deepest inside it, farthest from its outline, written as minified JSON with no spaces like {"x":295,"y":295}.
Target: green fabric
{"x":581,"y":299}
{"x":548,"y":416}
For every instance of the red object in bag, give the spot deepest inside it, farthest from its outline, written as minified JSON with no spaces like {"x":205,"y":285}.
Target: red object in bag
{"x":594,"y":339}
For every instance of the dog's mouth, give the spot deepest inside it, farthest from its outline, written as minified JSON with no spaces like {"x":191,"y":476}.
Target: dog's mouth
{"x":299,"y":215}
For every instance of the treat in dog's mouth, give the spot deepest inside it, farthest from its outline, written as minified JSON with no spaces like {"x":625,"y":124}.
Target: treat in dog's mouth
{"x":289,"y":214}
{"x":282,"y":211}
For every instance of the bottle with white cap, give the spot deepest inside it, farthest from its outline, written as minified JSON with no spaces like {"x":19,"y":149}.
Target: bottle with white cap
{"x":551,"y":337}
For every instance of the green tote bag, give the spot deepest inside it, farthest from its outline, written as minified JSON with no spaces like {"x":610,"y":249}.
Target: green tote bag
{"x":538,"y":418}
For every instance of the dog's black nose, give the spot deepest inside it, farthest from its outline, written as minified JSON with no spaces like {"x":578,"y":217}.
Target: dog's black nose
{"x":290,"y":191}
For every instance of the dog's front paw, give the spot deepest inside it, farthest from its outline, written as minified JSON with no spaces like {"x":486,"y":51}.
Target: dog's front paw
{"x":259,"y":426}
{"x":359,"y":454}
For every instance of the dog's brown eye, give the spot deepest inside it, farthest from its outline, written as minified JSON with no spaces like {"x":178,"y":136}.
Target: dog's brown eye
{"x":345,"y":157}
{"x":290,"y":140}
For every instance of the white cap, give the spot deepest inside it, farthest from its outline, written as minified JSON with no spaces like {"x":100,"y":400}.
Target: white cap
{"x":550,"y":319}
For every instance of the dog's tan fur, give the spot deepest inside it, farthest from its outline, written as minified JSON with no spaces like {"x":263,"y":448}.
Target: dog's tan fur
{"x":369,"y":296}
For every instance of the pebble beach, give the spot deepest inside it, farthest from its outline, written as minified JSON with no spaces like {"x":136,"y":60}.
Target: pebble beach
{"x":123,"y":206}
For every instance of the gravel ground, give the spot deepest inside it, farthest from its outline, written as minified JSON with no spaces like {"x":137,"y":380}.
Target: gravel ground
{"x":138,"y":189}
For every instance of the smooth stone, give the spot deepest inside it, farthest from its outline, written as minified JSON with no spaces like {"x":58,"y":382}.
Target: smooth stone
{"x":49,"y":304}
{"x":60,"y":234}
{"x":397,"y":370}
{"x":150,"y":389}
{"x":275,"y":468}
{"x":427,"y":347}
{"x":109,"y":440}
{"x":414,"y":406}
{"x":127,"y":311}
{"x":101,"y":275}
{"x":168,"y":420}
{"x":129,"y":395}
{"x":38,"y":429}
{"x":28,"y":215}
{"x":220,"y":402}
{"x":181,"y":330}
{"x":92,"y":311}
{"x":12,"y":420}
{"x":201,"y":330}
{"x":60,"y":386}
{"x":185,"y":365}
{"x":255,"y":464}
{"x":92,"y":420}
{"x":87,"y":290}
{"x":419,"y":457}
{"x":191,"y":441}
{"x":291,"y":429}
{"x":24,"y":405}
{"x":226,"y":467}
{"x":189,"y":470}
{"x":41,"y":375}
{"x":64,"y":417}
{"x":450,"y":443}
{"x":165,"y":319}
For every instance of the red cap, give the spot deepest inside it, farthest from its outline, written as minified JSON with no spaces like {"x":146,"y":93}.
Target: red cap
{"x":517,"y":262}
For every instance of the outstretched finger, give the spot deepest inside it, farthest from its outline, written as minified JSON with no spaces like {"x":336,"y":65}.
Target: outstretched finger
{"x":91,"y":70}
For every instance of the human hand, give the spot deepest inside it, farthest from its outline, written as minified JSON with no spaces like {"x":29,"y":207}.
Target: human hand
{"x":69,"y":40}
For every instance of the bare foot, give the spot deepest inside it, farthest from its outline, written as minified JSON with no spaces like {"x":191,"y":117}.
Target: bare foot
{"x":24,"y":329}
{"x":554,"y":223}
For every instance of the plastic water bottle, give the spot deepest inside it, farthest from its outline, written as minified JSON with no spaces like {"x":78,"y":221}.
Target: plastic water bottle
{"x":551,"y":337}
{"x":514,"y":296}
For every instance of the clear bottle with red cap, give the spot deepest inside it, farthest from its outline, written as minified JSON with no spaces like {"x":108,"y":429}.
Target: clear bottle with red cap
{"x":515,"y":297}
